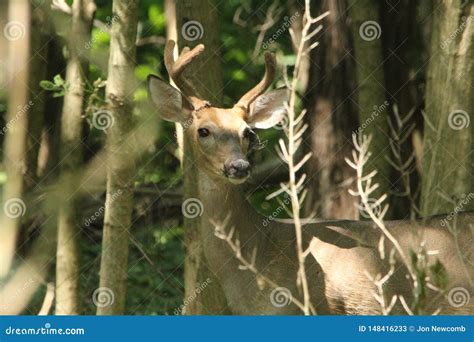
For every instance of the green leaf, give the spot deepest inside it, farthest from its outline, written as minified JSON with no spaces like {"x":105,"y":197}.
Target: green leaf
{"x":59,"y":94}
{"x":156,"y":16}
{"x":58,"y":80}
{"x":48,"y":85}
{"x":238,"y":75}
{"x":142,"y":71}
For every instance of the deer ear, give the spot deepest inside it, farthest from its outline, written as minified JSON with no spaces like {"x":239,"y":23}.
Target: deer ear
{"x":170,"y":103}
{"x":268,"y":109}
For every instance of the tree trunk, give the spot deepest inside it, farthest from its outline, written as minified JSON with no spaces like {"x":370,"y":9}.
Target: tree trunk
{"x":119,"y":197}
{"x":404,"y":56}
{"x":48,"y":155}
{"x":209,"y":84}
{"x":18,"y":34}
{"x":3,"y":50}
{"x":331,"y":118}
{"x":371,"y":97}
{"x":67,"y":258}
{"x":448,"y":141}
{"x":38,"y":66}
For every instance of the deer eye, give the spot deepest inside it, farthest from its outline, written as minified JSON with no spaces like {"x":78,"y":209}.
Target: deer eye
{"x":203,"y":132}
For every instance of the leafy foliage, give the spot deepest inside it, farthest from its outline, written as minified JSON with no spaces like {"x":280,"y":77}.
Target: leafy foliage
{"x":58,"y":86}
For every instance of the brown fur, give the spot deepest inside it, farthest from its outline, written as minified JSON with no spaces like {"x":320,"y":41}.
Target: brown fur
{"x":343,"y":253}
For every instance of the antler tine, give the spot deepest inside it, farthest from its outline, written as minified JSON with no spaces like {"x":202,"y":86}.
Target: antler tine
{"x":270,"y":68}
{"x":175,"y":69}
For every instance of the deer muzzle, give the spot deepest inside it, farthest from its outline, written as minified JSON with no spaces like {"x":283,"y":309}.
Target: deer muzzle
{"x":237,"y":170}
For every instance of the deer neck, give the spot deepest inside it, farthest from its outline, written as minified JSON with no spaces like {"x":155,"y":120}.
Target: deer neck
{"x":259,"y":244}
{"x":225,"y":202}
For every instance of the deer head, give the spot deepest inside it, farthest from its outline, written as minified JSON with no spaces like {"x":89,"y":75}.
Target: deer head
{"x":222,"y":137}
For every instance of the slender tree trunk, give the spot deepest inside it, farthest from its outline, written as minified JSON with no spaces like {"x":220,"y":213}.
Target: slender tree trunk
{"x":331,"y":118}
{"x":3,"y":50}
{"x":48,"y":155}
{"x":209,"y":85}
{"x":400,"y":35}
{"x":67,"y":258}
{"x":18,"y":34}
{"x":371,"y":97}
{"x":119,"y":197}
{"x":404,"y":56}
{"x":38,"y":66}
{"x":449,"y":133}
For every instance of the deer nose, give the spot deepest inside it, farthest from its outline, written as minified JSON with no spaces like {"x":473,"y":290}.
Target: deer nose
{"x":238,"y":168}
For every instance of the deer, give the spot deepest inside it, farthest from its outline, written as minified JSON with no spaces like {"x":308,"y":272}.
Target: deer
{"x":344,"y":255}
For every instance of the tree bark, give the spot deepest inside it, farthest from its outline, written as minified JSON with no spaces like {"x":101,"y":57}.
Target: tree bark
{"x":209,"y":85}
{"x":331,"y":118}
{"x":18,"y":34}
{"x":400,"y":44}
{"x":449,"y":135}
{"x":371,"y":97}
{"x":68,"y":256}
{"x":404,"y":56}
{"x":3,"y":50}
{"x":48,"y":155}
{"x":119,"y":197}
{"x":38,"y":66}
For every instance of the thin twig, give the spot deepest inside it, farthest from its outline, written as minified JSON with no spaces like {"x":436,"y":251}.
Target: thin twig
{"x":364,"y":188}
{"x":48,"y":300}
{"x":247,"y":265}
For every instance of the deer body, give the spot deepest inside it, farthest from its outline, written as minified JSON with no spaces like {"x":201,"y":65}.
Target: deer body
{"x":346,"y":256}
{"x":275,"y":252}
{"x":342,"y":254}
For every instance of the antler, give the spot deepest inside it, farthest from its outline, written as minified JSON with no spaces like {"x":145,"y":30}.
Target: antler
{"x":176,"y":68}
{"x":270,"y":67}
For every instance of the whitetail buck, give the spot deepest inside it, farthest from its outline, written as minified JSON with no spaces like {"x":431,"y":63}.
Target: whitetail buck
{"x":343,"y":252}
